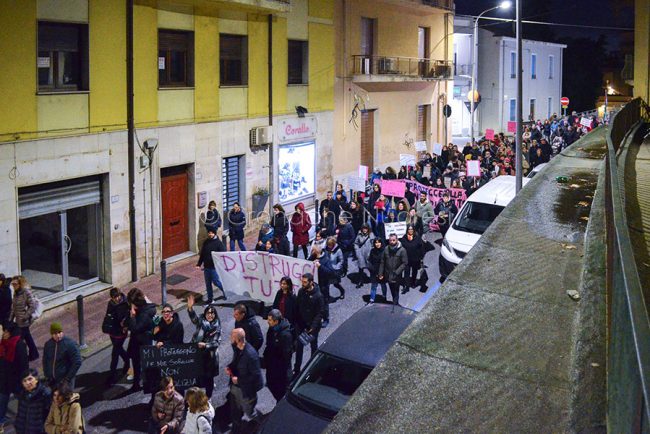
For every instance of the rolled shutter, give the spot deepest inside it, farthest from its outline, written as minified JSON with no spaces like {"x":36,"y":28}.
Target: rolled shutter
{"x":57,"y":199}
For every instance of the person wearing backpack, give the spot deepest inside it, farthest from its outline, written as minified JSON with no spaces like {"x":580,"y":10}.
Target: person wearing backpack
{"x":65,"y":412}
{"x":114,"y":325}
{"x":140,"y":324}
{"x":24,"y":311}
{"x":200,"y":412}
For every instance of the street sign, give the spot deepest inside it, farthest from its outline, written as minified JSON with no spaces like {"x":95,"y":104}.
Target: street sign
{"x":446,"y":110}
{"x":564,"y":101}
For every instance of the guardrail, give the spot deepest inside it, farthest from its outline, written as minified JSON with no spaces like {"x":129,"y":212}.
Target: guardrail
{"x":628,"y":370}
{"x":402,"y":66}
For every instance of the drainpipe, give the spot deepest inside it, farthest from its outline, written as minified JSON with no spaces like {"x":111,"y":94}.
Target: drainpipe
{"x":131,"y":131}
{"x":270,"y":74}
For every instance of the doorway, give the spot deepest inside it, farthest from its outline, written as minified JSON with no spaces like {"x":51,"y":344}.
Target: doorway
{"x":423,"y":51}
{"x":367,"y":45}
{"x":174,"y":203}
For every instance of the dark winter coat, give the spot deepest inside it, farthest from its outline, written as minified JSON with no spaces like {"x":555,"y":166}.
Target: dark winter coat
{"x":280,"y":225}
{"x":393,"y":263}
{"x":33,"y":408}
{"x":61,"y":360}
{"x":332,"y":206}
{"x":118,"y":313}
{"x":210,"y":245}
{"x":171,"y":333}
{"x":310,"y":309}
{"x":236,"y":221}
{"x":326,"y":273}
{"x":374,"y":262}
{"x":356,"y":218}
{"x":252,"y":329}
{"x":22,"y":307}
{"x":246,"y":367}
{"x":414,"y":249}
{"x":210,"y":333}
{"x":289,"y":312}
{"x":212,"y":220}
{"x":141,"y":325}
{"x":278,"y":352}
{"x":345,"y":237}
{"x":300,"y":226}
{"x":5,"y":304}
{"x":12,"y":366}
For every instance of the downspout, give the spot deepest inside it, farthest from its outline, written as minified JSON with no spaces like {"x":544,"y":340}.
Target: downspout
{"x":271,"y":147}
{"x":131,"y":131}
{"x":501,"y":91}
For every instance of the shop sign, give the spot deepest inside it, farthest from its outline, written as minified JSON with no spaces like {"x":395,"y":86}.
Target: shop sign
{"x":291,"y":130}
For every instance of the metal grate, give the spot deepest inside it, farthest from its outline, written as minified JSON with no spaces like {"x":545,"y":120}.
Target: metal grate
{"x":230,"y":179}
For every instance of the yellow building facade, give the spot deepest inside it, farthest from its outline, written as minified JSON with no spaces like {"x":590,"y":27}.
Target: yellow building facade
{"x":393,"y":78}
{"x":200,"y":98}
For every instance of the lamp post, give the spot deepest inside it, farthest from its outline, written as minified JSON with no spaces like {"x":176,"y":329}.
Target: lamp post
{"x":473,"y":96}
{"x":520,"y":95}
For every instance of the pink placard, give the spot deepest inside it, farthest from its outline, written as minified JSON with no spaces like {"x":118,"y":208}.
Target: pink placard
{"x":489,"y":134}
{"x":393,"y":188}
{"x":512,"y":127}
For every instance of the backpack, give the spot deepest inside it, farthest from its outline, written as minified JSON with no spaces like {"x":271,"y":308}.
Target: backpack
{"x":215,"y":429}
{"x":38,"y":308}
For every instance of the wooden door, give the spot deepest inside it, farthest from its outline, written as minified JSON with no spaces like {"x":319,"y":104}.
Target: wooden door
{"x":368,"y":138}
{"x":175,"y":231}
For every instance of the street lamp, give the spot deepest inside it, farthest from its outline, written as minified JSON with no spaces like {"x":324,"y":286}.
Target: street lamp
{"x":474,"y":97}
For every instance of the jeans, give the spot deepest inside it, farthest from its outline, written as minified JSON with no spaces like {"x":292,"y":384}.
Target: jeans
{"x":31,"y":345}
{"x":240,"y":405}
{"x":411,"y":274}
{"x":210,"y":275}
{"x":4,"y":403}
{"x":299,"y":348}
{"x":118,"y":351}
{"x":373,"y":290}
{"x":325,"y":290}
{"x":242,"y":247}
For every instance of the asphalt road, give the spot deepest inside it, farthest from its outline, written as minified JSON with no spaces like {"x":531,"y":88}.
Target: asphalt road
{"x":115,"y":410}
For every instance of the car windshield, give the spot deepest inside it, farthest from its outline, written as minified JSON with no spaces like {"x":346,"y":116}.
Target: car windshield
{"x":327,"y":383}
{"x":476,"y":217}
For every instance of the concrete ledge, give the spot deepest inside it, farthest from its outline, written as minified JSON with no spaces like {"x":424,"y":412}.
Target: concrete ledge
{"x":501,"y":347}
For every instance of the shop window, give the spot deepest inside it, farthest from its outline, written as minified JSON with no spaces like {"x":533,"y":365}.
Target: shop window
{"x":175,"y":58}
{"x":233,"y":60}
{"x":298,"y":62}
{"x":62,"y":61}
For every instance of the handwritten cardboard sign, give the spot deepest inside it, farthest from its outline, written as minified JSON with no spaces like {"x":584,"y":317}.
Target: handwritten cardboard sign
{"x":182,"y":362}
{"x":356,"y":184}
{"x":421,"y":146}
{"x":393,"y":188}
{"x":397,"y":228}
{"x":437,"y":148}
{"x":257,"y":274}
{"x":512,"y":127}
{"x":407,"y":160}
{"x":363,"y":172}
{"x":473,"y":168}
{"x":489,"y":134}
{"x":585,"y":122}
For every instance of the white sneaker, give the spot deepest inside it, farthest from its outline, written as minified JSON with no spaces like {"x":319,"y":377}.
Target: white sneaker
{"x":128,"y":378}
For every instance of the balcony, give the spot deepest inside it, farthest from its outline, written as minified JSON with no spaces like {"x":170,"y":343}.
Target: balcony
{"x":424,"y":6}
{"x":381,"y":73}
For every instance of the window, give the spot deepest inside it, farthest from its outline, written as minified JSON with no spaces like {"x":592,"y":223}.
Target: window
{"x":513,"y":110}
{"x":533,"y":66}
{"x":513,"y":64}
{"x":531,"y":115}
{"x":175,"y":58}
{"x":62,"y":61}
{"x":233,"y":60}
{"x":550,"y":108}
{"x":298,"y":62}
{"x":551,"y":66}
{"x":422,"y":133}
{"x":457,"y":92}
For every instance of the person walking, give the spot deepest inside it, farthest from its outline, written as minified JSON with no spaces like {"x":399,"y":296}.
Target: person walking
{"x":5,"y":300}
{"x":310,"y":307}
{"x":245,"y":320}
{"x":23,"y":306}
{"x":277,"y":354}
{"x":170,"y":329}
{"x":446,"y":211}
{"x":61,"y":357}
{"x":64,"y":416}
{"x":200,"y":412}
{"x":212,"y":218}
{"x":140,"y":324}
{"x":236,"y":222}
{"x":300,"y":226}
{"x":211,"y":244}
{"x":167,"y":409}
{"x":362,"y":247}
{"x":34,"y":402}
{"x":393,"y":264}
{"x":245,"y":380}
{"x":207,"y":336}
{"x":326,"y":275}
{"x":13,"y":362}
{"x":412,"y":243}
{"x":285,"y":301}
{"x":373,"y":264}
{"x":345,"y":237}
{"x":424,"y":210}
{"x":337,"y":263}
{"x":117,"y":311}
{"x":280,"y":226}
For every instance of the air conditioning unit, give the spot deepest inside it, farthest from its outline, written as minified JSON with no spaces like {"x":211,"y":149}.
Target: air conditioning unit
{"x":261,"y":136}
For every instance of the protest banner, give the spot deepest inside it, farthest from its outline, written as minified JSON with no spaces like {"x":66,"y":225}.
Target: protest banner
{"x":421,"y":146}
{"x":183,"y":362}
{"x":512,"y":126}
{"x":489,"y":134}
{"x":434,"y":195}
{"x":393,"y":188}
{"x":437,"y":148}
{"x":585,"y":122}
{"x":257,"y":274}
{"x":473,"y":168}
{"x":363,"y":172}
{"x":397,"y":228}
{"x":407,"y":160}
{"x":356,"y":184}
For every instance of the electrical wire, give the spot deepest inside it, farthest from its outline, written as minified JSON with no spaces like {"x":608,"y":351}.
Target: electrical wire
{"x":543,"y":23}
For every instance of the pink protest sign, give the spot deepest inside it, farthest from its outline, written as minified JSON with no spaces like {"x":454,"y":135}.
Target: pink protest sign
{"x":393,"y":188}
{"x":489,"y":134}
{"x":512,"y":127}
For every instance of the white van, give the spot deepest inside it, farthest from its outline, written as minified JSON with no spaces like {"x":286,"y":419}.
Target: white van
{"x":476,"y":215}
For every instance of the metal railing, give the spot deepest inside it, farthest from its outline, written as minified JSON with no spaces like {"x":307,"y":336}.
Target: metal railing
{"x":628,"y":370}
{"x":442,"y":4}
{"x":402,"y":66}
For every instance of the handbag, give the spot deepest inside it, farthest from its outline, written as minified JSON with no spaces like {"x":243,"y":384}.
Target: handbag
{"x":305,"y":338}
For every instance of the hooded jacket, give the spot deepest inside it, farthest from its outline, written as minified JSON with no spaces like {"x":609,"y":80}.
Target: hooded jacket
{"x":300,"y":225}
{"x":362,"y":247}
{"x":61,"y":360}
{"x":199,"y":423}
{"x":393,"y":263}
{"x":278,"y":351}
{"x":141,"y":325}
{"x":252,"y":329}
{"x":33,"y":409}
{"x":171,"y":333}
{"x":209,"y":333}
{"x":65,"y":417}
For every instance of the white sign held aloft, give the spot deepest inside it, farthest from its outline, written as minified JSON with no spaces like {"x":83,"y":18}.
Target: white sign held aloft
{"x":397,"y":228}
{"x":356,"y":184}
{"x":437,"y":148}
{"x":407,"y":160}
{"x":363,"y":172}
{"x":585,"y":122}
{"x":421,"y":146}
{"x":473,"y":168}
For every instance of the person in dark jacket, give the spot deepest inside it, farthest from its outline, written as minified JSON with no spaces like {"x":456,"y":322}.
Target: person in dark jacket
{"x":266,"y":234}
{"x":345,"y":239}
{"x":446,"y":210}
{"x":285,"y":301}
{"x":310,"y":307}
{"x":374,"y":262}
{"x":170,"y":329}
{"x":245,"y":319}
{"x":414,"y":246}
{"x":329,"y":210}
{"x":117,"y":311}
{"x":393,"y":264}
{"x":245,"y":379}
{"x":212,"y":217}
{"x":34,"y":401}
{"x":236,"y":222}
{"x":13,"y":362}
{"x":300,"y":226}
{"x":207,"y":337}
{"x":326,"y":275}
{"x":211,"y":244}
{"x":140,"y":324}
{"x":277,"y":354}
{"x":280,"y":226}
{"x":5,"y":299}
{"x":61,"y":357}
{"x":356,"y":215}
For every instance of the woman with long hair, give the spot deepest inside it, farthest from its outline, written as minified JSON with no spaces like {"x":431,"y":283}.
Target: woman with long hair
{"x":285,"y":300}
{"x":23,"y":306}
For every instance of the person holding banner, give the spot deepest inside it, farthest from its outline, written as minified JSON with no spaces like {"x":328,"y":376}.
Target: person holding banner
{"x":207,"y":337}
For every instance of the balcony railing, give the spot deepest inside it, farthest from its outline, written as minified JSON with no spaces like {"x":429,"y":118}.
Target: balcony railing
{"x":443,"y":4}
{"x":412,"y":67}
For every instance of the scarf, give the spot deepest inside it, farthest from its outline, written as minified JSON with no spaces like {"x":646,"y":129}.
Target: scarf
{"x":8,"y":348}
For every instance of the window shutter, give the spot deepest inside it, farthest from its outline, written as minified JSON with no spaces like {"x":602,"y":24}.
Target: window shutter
{"x":368,"y":138}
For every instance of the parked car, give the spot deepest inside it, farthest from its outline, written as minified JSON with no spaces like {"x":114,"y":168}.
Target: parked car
{"x":337,"y":369}
{"x":535,"y":170}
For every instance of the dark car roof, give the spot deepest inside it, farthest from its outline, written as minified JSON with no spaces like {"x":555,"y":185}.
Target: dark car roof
{"x":301,"y":421}
{"x":367,"y":335}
